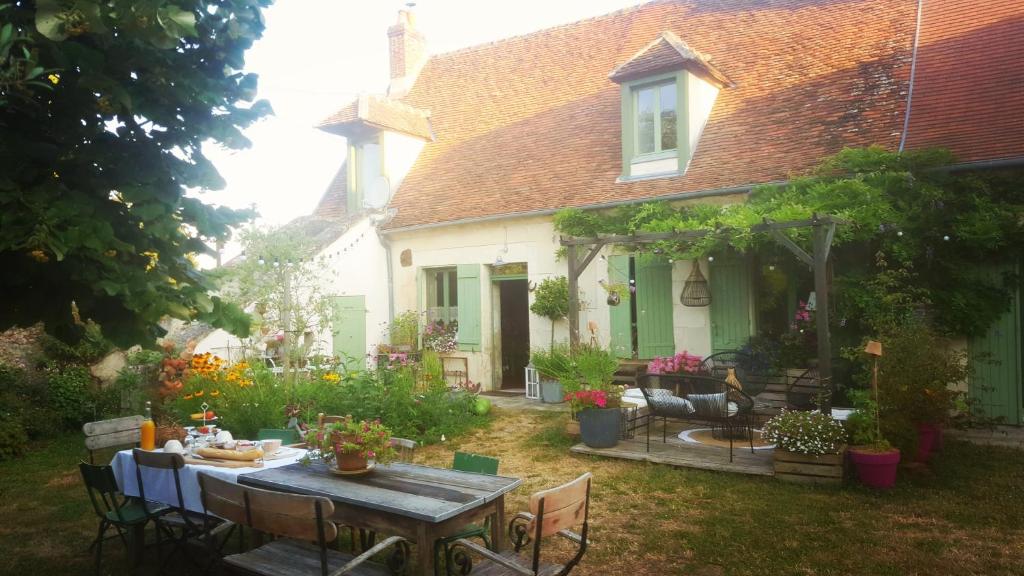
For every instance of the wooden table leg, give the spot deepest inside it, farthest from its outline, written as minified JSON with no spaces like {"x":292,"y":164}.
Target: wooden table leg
{"x":498,"y":524}
{"x":424,"y":550}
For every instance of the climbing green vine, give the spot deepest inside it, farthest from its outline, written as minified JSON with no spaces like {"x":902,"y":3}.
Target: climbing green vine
{"x":918,"y":236}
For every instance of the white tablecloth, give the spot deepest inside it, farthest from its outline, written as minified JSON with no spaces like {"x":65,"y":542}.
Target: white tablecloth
{"x":160,"y":483}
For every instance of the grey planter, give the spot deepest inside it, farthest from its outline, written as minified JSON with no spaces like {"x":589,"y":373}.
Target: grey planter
{"x":600,"y":427}
{"x":551,"y":392}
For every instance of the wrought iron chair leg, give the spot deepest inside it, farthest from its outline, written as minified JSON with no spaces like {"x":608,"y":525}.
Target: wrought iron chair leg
{"x":649,"y":416}
{"x":750,"y":431}
{"x":98,"y":544}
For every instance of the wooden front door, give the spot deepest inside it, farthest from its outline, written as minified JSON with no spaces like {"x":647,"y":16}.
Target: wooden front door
{"x":515,"y":332}
{"x":349,"y":328}
{"x":729,"y":280}
{"x":654,"y":324}
{"x":621,"y":316}
{"x":995,"y":357}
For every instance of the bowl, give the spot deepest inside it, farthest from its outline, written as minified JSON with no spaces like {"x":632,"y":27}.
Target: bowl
{"x":271,"y":445}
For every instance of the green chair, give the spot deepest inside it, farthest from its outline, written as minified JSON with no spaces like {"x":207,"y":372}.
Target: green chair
{"x":285,"y":435}
{"x":466,"y":462}
{"x":115,"y":510}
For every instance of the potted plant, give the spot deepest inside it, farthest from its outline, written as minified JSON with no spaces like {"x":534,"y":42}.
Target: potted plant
{"x":352,"y":444}
{"x":551,"y":300}
{"x":808,"y":446}
{"x":595,"y":399}
{"x":873,"y":456}
{"x":555,"y":368}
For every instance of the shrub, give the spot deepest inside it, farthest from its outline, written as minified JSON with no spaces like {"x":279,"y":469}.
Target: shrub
{"x":71,"y":395}
{"x":404,"y":329}
{"x":13,"y":439}
{"x":805,"y":432}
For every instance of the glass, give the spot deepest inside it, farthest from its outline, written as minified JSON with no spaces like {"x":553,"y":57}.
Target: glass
{"x":148,"y":432}
{"x":667,"y":101}
{"x":645,"y":120}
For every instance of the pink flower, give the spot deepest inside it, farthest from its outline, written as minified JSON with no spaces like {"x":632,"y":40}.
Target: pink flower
{"x":371,"y":454}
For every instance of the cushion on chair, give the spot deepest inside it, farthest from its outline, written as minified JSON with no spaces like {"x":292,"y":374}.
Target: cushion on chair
{"x":636,"y":392}
{"x":709,"y":404}
{"x":667,"y":403}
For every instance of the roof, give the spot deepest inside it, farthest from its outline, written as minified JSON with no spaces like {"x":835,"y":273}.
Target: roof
{"x":968,"y":90}
{"x":334,"y":202}
{"x":369,"y":112}
{"x":532,"y":123}
{"x":666,"y":53}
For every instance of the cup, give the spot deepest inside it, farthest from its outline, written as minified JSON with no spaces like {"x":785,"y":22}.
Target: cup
{"x":271,"y":445}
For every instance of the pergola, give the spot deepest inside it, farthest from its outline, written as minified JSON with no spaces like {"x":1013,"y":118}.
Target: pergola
{"x":824,"y":229}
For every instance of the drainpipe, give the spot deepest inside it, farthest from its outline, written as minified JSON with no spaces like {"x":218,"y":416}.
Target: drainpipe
{"x":386,"y":243}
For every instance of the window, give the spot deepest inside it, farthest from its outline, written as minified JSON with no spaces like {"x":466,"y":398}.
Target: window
{"x":442,"y":295}
{"x":655,"y":118}
{"x":365,"y":174}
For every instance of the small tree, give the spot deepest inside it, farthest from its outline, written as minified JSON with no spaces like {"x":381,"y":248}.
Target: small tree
{"x":551,"y":300}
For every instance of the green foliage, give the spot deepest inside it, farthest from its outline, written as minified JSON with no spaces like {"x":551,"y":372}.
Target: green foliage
{"x":104,"y":108}
{"x":13,"y":440}
{"x":24,"y":400}
{"x":805,"y":432}
{"x":551,"y":300}
{"x":90,"y":348}
{"x":555,"y":363}
{"x":71,"y":394}
{"x":431,"y":368}
{"x":863,"y":423}
{"x":596,"y":367}
{"x":916,"y":234}
{"x":404,"y":329}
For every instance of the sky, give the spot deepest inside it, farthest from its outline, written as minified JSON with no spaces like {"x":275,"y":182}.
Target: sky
{"x":317,"y":55}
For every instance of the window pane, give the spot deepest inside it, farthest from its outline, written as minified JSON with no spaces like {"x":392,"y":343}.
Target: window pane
{"x":668,"y":116}
{"x":453,"y":289}
{"x":645,"y":121}
{"x":438,"y":289}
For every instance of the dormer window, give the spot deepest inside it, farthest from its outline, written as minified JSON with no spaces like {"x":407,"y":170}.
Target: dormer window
{"x":668,"y":90}
{"x":655,"y":118}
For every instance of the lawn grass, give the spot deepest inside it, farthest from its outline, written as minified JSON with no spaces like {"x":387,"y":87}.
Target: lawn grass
{"x":963,"y":516}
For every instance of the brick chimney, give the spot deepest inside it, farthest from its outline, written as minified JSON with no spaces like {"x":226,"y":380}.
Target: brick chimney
{"x":407,"y":53}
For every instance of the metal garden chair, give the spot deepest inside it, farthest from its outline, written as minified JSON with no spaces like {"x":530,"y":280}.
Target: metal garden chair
{"x":467,"y":462}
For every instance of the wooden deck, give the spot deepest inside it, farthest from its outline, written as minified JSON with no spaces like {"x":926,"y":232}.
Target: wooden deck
{"x":685,"y":454}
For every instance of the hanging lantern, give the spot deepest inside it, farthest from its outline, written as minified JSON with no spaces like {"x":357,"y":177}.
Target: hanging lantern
{"x":695,"y":290}
{"x":532,"y":382}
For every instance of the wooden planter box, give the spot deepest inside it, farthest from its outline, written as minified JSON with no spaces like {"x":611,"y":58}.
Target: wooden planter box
{"x":809,"y":468}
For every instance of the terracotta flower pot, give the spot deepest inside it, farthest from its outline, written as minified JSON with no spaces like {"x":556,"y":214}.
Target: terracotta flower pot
{"x":572,"y":428}
{"x":875,"y":469}
{"x":347,"y":461}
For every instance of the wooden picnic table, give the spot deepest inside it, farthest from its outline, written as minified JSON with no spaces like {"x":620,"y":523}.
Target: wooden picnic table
{"x":419,"y":503}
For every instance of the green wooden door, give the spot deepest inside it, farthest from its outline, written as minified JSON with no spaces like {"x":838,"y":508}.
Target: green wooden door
{"x":349,"y":327}
{"x":729,"y":279}
{"x":654,"y":330}
{"x":996,"y":379}
{"x":620,"y":318}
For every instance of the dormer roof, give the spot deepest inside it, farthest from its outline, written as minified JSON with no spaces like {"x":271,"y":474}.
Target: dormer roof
{"x":370,"y":113}
{"x":668,"y":53}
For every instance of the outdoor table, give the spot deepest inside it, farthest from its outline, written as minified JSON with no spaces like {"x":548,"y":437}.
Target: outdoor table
{"x":160,"y":483}
{"x":419,"y":503}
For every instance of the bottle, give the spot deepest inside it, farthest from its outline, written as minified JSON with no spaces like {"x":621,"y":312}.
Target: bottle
{"x":148,"y":441}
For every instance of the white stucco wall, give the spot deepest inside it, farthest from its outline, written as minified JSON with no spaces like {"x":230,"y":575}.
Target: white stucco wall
{"x":400,"y":152}
{"x":702,"y":98}
{"x":692,"y":325}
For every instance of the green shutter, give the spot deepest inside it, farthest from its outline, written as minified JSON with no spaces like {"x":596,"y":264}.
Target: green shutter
{"x":469,"y":306}
{"x":729,"y":279}
{"x":620,"y":319}
{"x":349,"y":327}
{"x":654,"y":326}
{"x":995,"y":357}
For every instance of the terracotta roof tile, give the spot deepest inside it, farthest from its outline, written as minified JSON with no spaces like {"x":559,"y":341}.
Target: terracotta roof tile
{"x":667,"y":53}
{"x":531,"y":123}
{"x":969,"y":79}
{"x":370,"y":112}
{"x":334,"y":203}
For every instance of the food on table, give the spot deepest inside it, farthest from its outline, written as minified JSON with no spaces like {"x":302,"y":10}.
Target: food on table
{"x":230,"y":454}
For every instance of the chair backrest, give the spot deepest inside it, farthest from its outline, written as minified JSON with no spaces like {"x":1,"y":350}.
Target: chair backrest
{"x":161,"y":461}
{"x":294,"y":516}
{"x":323,"y":420}
{"x":116,"y":432}
{"x":468,"y":462}
{"x":561,"y":508}
{"x":101,"y":484}
{"x":285,"y":435}
{"x":223,"y":498}
{"x":804,"y":392}
{"x":406,"y":449}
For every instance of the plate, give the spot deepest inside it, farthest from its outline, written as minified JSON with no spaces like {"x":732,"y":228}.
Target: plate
{"x":366,"y":470}
{"x":282,"y":452}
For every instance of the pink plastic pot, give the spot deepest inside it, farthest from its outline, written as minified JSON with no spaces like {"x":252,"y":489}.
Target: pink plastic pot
{"x":929,"y":437}
{"x":876,"y":469}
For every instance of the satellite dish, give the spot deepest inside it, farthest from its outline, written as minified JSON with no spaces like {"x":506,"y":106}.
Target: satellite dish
{"x":379,"y":193}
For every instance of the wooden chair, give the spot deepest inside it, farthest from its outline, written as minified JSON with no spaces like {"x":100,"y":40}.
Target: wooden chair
{"x":115,"y":510}
{"x":174,"y":521}
{"x":295,"y":521}
{"x":466,"y":462}
{"x":552,"y":512}
{"x":117,"y":432}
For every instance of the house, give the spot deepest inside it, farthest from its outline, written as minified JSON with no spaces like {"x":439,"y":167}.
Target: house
{"x":471,"y":152}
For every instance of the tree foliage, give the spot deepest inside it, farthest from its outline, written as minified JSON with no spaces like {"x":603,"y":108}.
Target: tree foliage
{"x":918,"y":233}
{"x":551,"y":300}
{"x":104,"y":107}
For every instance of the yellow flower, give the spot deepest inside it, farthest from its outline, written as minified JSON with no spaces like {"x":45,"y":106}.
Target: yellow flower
{"x":187,"y":396}
{"x":331,"y":377}
{"x":215,"y":393}
{"x":39,"y":256}
{"x":199,"y":393}
{"x":53,"y":78}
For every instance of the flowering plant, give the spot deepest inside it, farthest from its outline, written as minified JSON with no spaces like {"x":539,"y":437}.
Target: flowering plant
{"x":805,"y":432}
{"x":681,"y":362}
{"x":368,"y":439}
{"x":582,"y":399}
{"x":441,"y":337}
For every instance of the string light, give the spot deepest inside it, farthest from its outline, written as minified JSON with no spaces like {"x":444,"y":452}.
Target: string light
{"x":899,"y":233}
{"x":946,"y":238}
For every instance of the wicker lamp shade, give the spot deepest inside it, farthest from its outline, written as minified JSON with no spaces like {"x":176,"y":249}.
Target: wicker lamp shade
{"x":695,"y":291}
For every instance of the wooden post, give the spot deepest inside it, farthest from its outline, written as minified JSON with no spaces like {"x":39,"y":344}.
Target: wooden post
{"x":822,"y":243}
{"x":574,"y":296}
